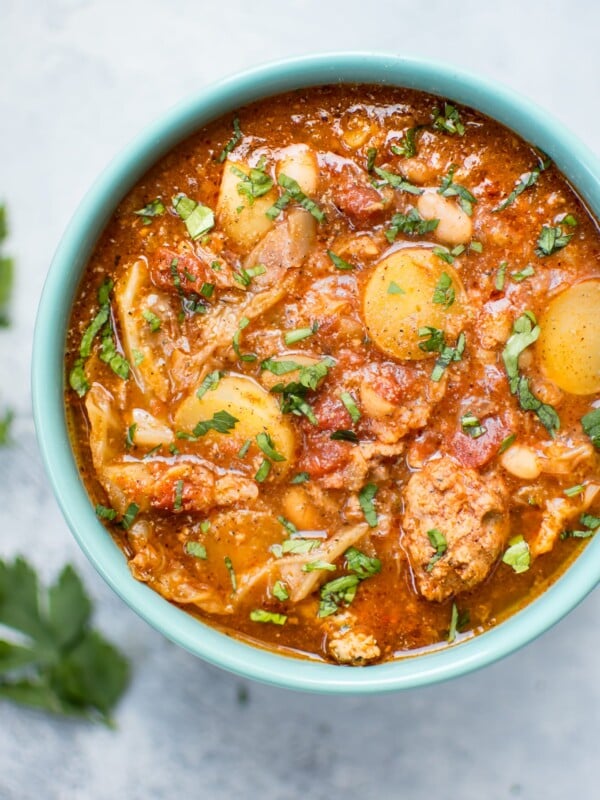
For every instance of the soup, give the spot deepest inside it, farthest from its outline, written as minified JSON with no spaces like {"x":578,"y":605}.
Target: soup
{"x":333,"y":374}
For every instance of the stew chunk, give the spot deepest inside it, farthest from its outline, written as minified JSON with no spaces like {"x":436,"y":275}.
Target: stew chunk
{"x":455,"y":527}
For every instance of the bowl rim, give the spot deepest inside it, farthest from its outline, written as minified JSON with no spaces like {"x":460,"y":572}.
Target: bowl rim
{"x":577,"y":163}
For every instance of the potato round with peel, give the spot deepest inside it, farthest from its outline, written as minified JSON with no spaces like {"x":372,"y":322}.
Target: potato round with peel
{"x":255,"y":410}
{"x":569,"y":342}
{"x":399,"y":299}
{"x":243,"y":221}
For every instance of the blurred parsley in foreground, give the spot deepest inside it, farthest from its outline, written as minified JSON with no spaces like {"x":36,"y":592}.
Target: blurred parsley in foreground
{"x":6,"y":272}
{"x":56,"y":662}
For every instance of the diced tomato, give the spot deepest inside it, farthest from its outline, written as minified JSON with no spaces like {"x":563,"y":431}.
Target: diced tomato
{"x":190,"y":270}
{"x":355,"y":198}
{"x":322,"y":455}
{"x":474,"y":453}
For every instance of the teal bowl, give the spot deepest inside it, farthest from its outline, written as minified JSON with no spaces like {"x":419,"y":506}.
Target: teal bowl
{"x":576,"y":162}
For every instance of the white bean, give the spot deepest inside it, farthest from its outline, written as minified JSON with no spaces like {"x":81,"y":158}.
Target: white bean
{"x":455,"y":227}
{"x":521,"y":462}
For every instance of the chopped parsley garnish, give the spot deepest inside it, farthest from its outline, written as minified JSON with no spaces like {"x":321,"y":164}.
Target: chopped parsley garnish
{"x":56,"y":662}
{"x":411,"y":223}
{"x":472,"y":426}
{"x":291,"y":337}
{"x":244,"y":322}
{"x":299,"y":546}
{"x":263,"y":471}
{"x":288,"y":525}
{"x":245,"y":276}
{"x":256,"y":183}
{"x":280,"y":591}
{"x":366,"y":498}
{"x":294,"y":393}
{"x":500,"y":278}
{"x":243,"y":451}
{"x":526,"y":272}
{"x":439,"y":544}
{"x":152,"y":320}
{"x":311,"y":566}
{"x":338,"y":262}
{"x":444,"y":293}
{"x":103,"y":512}
{"x":207,"y":290}
{"x":178,"y":501}
{"x":475,"y":246}
{"x":526,"y":181}
{"x":221,"y":422}
{"x":155,"y":208}
{"x":231,"y":571}
{"x":350,"y":406}
{"x":260,"y":615}
{"x":506,"y":443}
{"x":449,"y":255}
{"x":397,"y":181}
{"x":5,"y":423}
{"x":551,"y":240}
{"x":573,"y":491}
{"x":295,"y":193}
{"x":407,"y":145}
{"x":436,"y":342}
{"x":129,"y":516}
{"x":198,"y":219}
{"x":590,"y":526}
{"x":300,"y":477}
{"x":450,"y":189}
{"x":265,"y":443}
{"x":525,"y":333}
{"x":371,"y":156}
{"x":196,"y":550}
{"x":340,"y":591}
{"x":361,"y":564}
{"x":232,"y":143}
{"x":138,"y":357}
{"x":280,"y":367}
{"x":209,"y":383}
{"x":344,"y":436}
{"x":447,"y":120}
{"x":591,"y":426}
{"x":130,"y":436}
{"x":517,"y":555}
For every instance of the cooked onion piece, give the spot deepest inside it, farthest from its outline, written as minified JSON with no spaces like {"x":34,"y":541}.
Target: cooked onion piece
{"x":398,"y":300}
{"x":299,"y":162}
{"x":569,"y":342}
{"x":255,"y":410}
{"x":245,"y":223}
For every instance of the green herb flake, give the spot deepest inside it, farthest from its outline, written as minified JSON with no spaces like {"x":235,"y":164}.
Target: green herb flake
{"x":300,"y":477}
{"x":231,"y":571}
{"x":260,"y":615}
{"x":551,"y":240}
{"x":525,"y":181}
{"x":444,"y":293}
{"x":103,"y":512}
{"x":506,"y":443}
{"x":371,"y":156}
{"x":350,"y":406}
{"x":152,"y":320}
{"x":198,"y":219}
{"x":471,"y":425}
{"x":393,"y":288}
{"x":288,"y":525}
{"x":500,"y":278}
{"x":245,"y":276}
{"x":411,"y":224}
{"x":129,"y":516}
{"x":517,"y":555}
{"x":291,"y":337}
{"x":254,"y":184}
{"x":295,"y":193}
{"x":178,"y":501}
{"x":454,"y":624}
{"x":338,"y":262}
{"x":243,"y":451}
{"x":573,"y":491}
{"x":590,"y":526}
{"x":263,"y":471}
{"x":210,"y":383}
{"x":449,"y":255}
{"x":397,"y":181}
{"x":476,"y":247}
{"x":439,"y":544}
{"x":312,"y":566}
{"x":591,"y":426}
{"x":244,"y":322}
{"x":205,"y":526}
{"x":299,"y":546}
{"x":232,"y":143}
{"x":448,"y":120}
{"x":220,"y":422}
{"x":366,"y":498}
{"x":526,"y":272}
{"x":196,"y":550}
{"x":130,"y":436}
{"x":155,"y":208}
{"x":340,"y":591}
{"x":343,"y":435}
{"x":448,"y":188}
{"x":280,"y":591}
{"x":362,"y":565}
{"x":265,"y":443}
{"x":407,"y":145}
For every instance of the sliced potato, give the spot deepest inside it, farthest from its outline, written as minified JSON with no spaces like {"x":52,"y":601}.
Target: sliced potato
{"x":255,"y":409}
{"x":299,"y":162}
{"x":150,"y":431}
{"x":269,"y":379}
{"x":569,"y":342}
{"x":243,"y":222}
{"x":398,"y":300}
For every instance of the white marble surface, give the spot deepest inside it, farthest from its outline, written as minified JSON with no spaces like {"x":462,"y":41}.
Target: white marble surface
{"x":79,"y":79}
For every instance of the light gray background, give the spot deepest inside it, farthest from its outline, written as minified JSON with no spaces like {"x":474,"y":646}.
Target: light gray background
{"x":78,"y":80}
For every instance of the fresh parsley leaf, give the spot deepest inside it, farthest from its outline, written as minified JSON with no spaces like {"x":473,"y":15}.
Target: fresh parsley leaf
{"x":340,"y":591}
{"x":393,"y":288}
{"x":129,"y":516}
{"x":209,"y":383}
{"x":232,"y":143}
{"x":280,"y":591}
{"x":506,"y":443}
{"x":312,"y":566}
{"x":371,"y":156}
{"x":300,"y":477}
{"x":398,"y":182}
{"x":411,"y":224}
{"x":152,"y":320}
{"x":61,"y":664}
{"x":436,"y":342}
{"x":102,"y":512}
{"x":444,"y":293}
{"x":245,"y":276}
{"x":260,"y":615}
{"x":350,"y":406}
{"x":265,"y":443}
{"x":366,"y":498}
{"x":244,"y":322}
{"x":155,"y":208}
{"x":551,"y":240}
{"x":344,"y":436}
{"x":338,"y":262}
{"x":472,"y":426}
{"x":299,"y":546}
{"x":449,"y":255}
{"x":517,"y":555}
{"x":291,"y":337}
{"x":526,"y":272}
{"x":231,"y":571}
{"x":198,"y":219}
{"x":263,"y":471}
{"x":590,"y":423}
{"x":256,"y":183}
{"x":447,"y":120}
{"x":196,"y":550}
{"x":500,"y":278}
{"x":448,"y":188}
{"x":295,"y":193}
{"x":407,"y":145}
{"x":525,"y":181}
{"x":439,"y":544}
{"x":221,"y":422}
{"x":361,"y":564}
